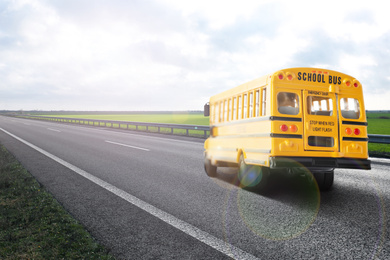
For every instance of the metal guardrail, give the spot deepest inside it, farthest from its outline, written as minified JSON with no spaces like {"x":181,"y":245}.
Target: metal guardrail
{"x":379,"y":139}
{"x":142,"y":126}
{"x":190,"y":130}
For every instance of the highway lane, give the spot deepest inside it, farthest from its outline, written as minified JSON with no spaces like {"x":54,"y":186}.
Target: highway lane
{"x":293,"y":221}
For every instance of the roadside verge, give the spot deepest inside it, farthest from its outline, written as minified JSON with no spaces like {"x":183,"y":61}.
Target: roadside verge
{"x":33,"y":225}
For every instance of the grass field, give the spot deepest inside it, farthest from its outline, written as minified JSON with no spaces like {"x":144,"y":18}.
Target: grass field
{"x":379,"y":123}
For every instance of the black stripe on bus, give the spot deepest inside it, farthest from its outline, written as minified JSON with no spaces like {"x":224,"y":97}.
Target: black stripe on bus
{"x":355,"y":139}
{"x":354,"y":123}
{"x":286,"y":136}
{"x":282,"y":118}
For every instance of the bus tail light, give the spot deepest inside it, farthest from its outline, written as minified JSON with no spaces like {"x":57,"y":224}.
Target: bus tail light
{"x":293,"y":128}
{"x":355,"y":85}
{"x":348,"y":131}
{"x":356,"y":131}
{"x":280,"y":76}
{"x":284,"y":128}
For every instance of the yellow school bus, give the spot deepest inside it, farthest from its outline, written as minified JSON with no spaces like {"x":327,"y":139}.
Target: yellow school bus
{"x":293,"y":119}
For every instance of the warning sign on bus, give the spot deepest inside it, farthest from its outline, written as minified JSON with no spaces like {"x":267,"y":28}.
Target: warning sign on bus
{"x":321,"y":126}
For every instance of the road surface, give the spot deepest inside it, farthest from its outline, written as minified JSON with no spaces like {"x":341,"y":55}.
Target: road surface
{"x":146,"y":196}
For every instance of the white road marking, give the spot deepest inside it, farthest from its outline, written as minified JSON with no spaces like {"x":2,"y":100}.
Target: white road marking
{"x":130,"y":146}
{"x":379,"y":160}
{"x":150,"y":137}
{"x":55,"y":130}
{"x":117,"y":132}
{"x":181,"y":225}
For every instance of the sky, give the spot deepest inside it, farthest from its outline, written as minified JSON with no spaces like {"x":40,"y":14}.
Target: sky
{"x":172,"y":55}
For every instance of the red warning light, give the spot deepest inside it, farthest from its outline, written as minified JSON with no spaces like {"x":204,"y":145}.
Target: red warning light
{"x":356,"y":131}
{"x":284,"y":128}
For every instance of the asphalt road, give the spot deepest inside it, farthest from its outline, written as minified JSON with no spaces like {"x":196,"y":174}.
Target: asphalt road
{"x":146,"y":196}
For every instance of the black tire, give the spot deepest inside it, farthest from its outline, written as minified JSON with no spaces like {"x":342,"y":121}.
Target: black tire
{"x":324,"y":179}
{"x":210,"y":169}
{"x":252,"y":177}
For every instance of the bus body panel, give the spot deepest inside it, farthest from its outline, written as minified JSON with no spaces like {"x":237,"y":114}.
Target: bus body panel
{"x":247,"y":136}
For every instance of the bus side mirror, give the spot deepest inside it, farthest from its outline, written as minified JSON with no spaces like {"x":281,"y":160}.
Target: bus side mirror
{"x":206,"y":111}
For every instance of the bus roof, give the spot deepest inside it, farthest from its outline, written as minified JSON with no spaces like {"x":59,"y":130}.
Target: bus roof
{"x":324,"y":79}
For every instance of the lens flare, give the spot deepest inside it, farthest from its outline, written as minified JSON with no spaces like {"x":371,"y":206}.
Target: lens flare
{"x":281,"y":221}
{"x":287,"y":213}
{"x":286,"y":216}
{"x":251,"y":177}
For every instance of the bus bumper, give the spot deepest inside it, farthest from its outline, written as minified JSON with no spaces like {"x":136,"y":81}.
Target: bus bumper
{"x":319,"y":162}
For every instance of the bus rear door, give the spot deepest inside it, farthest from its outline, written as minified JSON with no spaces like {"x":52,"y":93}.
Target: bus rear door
{"x":320,"y":121}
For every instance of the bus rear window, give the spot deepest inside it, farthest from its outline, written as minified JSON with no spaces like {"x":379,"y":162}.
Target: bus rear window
{"x":319,"y":106}
{"x":321,"y":141}
{"x":350,"y":108}
{"x":288,"y":103}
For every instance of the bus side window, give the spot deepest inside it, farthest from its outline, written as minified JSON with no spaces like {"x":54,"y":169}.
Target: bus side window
{"x":225,"y":109}
{"x":220,"y":111}
{"x":245,"y":106}
{"x":257,"y":101}
{"x":288,"y":103}
{"x":263,"y":102}
{"x":251,"y":104}
{"x":235,"y":108}
{"x":216,"y":112}
{"x":239,"y":107}
{"x":230,"y":110}
{"x":350,"y":108}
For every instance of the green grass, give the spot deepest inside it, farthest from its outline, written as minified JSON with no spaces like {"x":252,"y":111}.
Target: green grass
{"x":379,"y":115}
{"x":33,"y":225}
{"x":378,"y":124}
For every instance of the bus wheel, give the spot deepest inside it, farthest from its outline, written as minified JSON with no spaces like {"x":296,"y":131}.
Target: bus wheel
{"x":252,"y":177}
{"x":324,"y":179}
{"x":210,"y":169}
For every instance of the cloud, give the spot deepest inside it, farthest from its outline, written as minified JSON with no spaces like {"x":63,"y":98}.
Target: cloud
{"x":173,"y":55}
{"x":234,"y":38}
